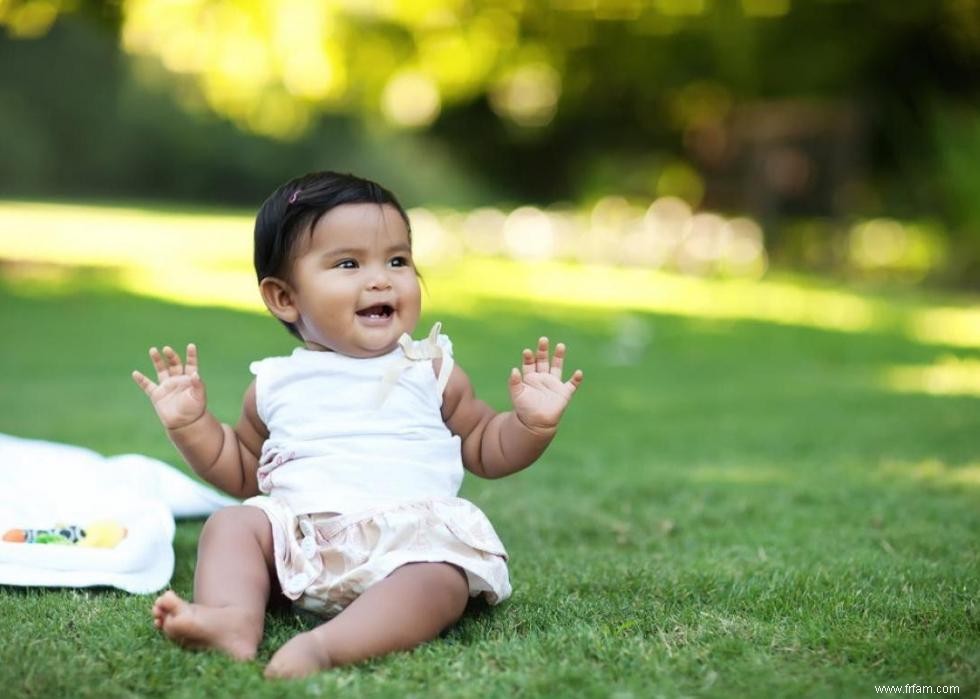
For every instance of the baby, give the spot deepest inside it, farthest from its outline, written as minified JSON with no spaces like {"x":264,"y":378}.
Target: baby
{"x":350,"y":451}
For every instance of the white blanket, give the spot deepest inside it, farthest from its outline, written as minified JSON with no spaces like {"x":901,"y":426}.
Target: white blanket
{"x":44,"y":484}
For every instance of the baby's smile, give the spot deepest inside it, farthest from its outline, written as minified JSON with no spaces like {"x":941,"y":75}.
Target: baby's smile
{"x":376,"y":315}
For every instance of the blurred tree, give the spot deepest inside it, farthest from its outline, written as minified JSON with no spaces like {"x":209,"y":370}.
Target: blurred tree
{"x":271,"y":64}
{"x":553,"y":99}
{"x":83,"y":120}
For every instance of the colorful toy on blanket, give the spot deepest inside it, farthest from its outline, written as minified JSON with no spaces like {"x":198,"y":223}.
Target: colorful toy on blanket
{"x":104,"y":534}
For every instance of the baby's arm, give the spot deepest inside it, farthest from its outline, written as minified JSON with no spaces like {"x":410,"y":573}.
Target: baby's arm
{"x":499,"y":444}
{"x":224,"y":456}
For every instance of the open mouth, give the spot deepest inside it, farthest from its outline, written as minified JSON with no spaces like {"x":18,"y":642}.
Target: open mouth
{"x":380,"y":311}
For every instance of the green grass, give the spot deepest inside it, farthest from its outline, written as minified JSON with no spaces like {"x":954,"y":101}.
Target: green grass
{"x":746,"y":510}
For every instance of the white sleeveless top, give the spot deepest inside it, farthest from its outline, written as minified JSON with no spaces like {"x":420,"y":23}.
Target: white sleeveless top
{"x":347,"y":434}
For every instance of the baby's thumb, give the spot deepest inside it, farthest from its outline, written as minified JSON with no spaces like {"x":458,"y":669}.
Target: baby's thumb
{"x":196,"y":383}
{"x":144,"y":383}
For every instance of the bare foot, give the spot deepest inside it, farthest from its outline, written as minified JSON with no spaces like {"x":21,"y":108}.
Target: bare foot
{"x":231,"y":630}
{"x":302,"y":655}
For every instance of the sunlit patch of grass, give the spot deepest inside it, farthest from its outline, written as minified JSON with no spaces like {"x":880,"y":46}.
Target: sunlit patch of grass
{"x":102,"y":236}
{"x":193,"y":286}
{"x":602,"y":287}
{"x":205,"y":259}
{"x":946,"y":325}
{"x":934,"y":472}
{"x":950,"y":376}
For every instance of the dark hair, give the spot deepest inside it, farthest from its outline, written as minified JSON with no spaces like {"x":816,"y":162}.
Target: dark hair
{"x":297,"y":205}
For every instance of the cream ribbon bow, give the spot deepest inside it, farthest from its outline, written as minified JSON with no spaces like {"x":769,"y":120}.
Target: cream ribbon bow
{"x":416,"y":351}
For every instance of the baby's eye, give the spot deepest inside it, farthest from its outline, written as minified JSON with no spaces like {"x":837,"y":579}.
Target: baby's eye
{"x":400,"y":262}
{"x":347,"y":264}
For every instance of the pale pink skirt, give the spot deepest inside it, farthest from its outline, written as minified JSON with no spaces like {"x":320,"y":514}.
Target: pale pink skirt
{"x":325,"y":561}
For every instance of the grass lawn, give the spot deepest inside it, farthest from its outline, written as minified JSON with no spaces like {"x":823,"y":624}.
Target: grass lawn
{"x":733,"y":507}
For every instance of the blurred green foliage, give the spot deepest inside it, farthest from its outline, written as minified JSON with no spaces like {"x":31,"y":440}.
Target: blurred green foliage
{"x":827,"y":111}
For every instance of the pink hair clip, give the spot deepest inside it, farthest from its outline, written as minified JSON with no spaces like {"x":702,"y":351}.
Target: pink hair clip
{"x":294,"y":195}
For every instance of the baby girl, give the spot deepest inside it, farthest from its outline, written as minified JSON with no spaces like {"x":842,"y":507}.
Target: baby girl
{"x":350,"y":451}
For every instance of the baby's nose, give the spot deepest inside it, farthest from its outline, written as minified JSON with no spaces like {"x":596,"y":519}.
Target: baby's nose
{"x":380,"y":281}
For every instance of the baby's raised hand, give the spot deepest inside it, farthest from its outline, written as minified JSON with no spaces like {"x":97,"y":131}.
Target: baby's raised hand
{"x":537,"y":391}
{"x":179,"y":398}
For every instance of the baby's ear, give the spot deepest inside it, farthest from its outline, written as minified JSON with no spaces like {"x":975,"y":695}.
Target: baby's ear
{"x":278,"y":297}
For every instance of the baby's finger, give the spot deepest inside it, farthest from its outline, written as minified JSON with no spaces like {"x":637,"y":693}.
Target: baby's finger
{"x":542,"y":357}
{"x":514,"y":382}
{"x":176,"y":369}
{"x":191,"y":358}
{"x":576,"y":380}
{"x":143,"y":382}
{"x":527,"y":362}
{"x":159,"y":364}
{"x":558,"y":360}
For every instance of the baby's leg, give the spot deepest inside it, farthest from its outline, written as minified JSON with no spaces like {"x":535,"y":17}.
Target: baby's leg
{"x":231,"y":586}
{"x":412,"y":605}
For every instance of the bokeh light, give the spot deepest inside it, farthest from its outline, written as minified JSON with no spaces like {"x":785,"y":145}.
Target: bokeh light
{"x":528,"y":234}
{"x":887,"y":245}
{"x":411,"y":99}
{"x":528,"y":95}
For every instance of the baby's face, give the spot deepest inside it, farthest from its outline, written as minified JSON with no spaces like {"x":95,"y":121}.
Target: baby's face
{"x":355,"y":286}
